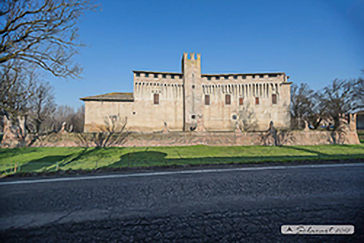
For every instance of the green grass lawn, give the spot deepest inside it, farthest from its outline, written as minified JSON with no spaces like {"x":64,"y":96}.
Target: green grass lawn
{"x":50,"y":159}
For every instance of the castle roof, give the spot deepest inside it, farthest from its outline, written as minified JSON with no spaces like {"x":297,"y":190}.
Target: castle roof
{"x":239,"y":74}
{"x":114,"y":96}
{"x":206,"y":74}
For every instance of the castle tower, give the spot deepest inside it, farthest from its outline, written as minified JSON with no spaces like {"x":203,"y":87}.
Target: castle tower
{"x":192,"y":90}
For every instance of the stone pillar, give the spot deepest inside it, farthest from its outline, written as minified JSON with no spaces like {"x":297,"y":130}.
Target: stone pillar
{"x":237,"y":127}
{"x":200,"y":124}
{"x":63,"y":129}
{"x":165,"y":129}
{"x":352,"y":124}
{"x":22,"y":125}
{"x":306,"y":129}
{"x":10,"y":138}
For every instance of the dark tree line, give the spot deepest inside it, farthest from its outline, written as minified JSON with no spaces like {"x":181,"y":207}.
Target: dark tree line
{"x":329,"y":106}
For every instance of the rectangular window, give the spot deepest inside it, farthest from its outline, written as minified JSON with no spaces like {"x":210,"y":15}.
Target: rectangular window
{"x":155,"y":75}
{"x":164,"y":75}
{"x":274,"y":99}
{"x":235,"y":77}
{"x":244,"y":77}
{"x":147,"y":74}
{"x":226,"y":77}
{"x":207,"y":99}
{"x":241,"y":101}
{"x":261,"y":76}
{"x":172,"y":76}
{"x":208,"y":78}
{"x":272,"y":75}
{"x":156,"y":99}
{"x":217,"y":78}
{"x":257,"y":100}
{"x":227,"y":99}
{"x":137,"y":74}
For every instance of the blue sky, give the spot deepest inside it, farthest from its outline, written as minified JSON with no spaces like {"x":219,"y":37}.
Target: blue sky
{"x":313,"y":41}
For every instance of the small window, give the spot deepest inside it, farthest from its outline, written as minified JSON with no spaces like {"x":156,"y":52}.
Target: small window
{"x":261,"y":76}
{"x":134,"y":112}
{"x":272,"y":75}
{"x":226,"y":77}
{"x":244,"y":77}
{"x":207,"y":99}
{"x":241,"y":101}
{"x":253,"y":76}
{"x":156,"y":99}
{"x":137,"y":74}
{"x":257,"y":100}
{"x":235,"y":77}
{"x":164,"y":75}
{"x":147,"y":75}
{"x":208,"y":78}
{"x":227,"y":99}
{"x":155,"y":75}
{"x":217,"y":78}
{"x":234,"y":117}
{"x":193,"y":86}
{"x":274,"y":99}
{"x":193,"y":117}
{"x":172,"y":76}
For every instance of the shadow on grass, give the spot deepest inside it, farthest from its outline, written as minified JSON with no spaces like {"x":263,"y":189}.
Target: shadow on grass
{"x":83,"y":153}
{"x":137,"y":158}
{"x":43,"y":163}
{"x":319,"y":154}
{"x":146,"y":159}
{"x":10,"y":152}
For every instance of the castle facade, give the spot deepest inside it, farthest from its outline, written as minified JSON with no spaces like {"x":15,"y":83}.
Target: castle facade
{"x":192,"y":101}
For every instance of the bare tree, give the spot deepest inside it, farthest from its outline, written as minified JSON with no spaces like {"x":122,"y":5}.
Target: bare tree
{"x":77,"y":120}
{"x":339,"y":99}
{"x":112,"y":133}
{"x":303,"y":104}
{"x":247,"y":118}
{"x":16,"y":86}
{"x":62,"y":114}
{"x":42,"y":106}
{"x":358,"y":93}
{"x":42,"y":33}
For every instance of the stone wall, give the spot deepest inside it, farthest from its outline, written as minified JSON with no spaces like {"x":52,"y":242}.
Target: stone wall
{"x":212,"y":139}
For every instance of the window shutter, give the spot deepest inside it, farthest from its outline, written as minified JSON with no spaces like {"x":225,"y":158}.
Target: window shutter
{"x":274,"y":98}
{"x":207,"y":99}
{"x":227,"y":99}
{"x":156,"y":99}
{"x":241,"y":101}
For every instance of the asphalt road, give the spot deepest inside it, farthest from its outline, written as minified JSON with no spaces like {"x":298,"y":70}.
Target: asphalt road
{"x":230,"y":205}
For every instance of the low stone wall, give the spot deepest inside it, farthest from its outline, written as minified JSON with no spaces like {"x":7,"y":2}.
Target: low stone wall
{"x":193,"y":138}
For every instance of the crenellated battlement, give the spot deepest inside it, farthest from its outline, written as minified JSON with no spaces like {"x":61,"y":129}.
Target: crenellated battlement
{"x":192,"y":60}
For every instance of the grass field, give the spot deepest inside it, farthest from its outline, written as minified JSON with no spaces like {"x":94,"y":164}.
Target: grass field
{"x":65,"y":158}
